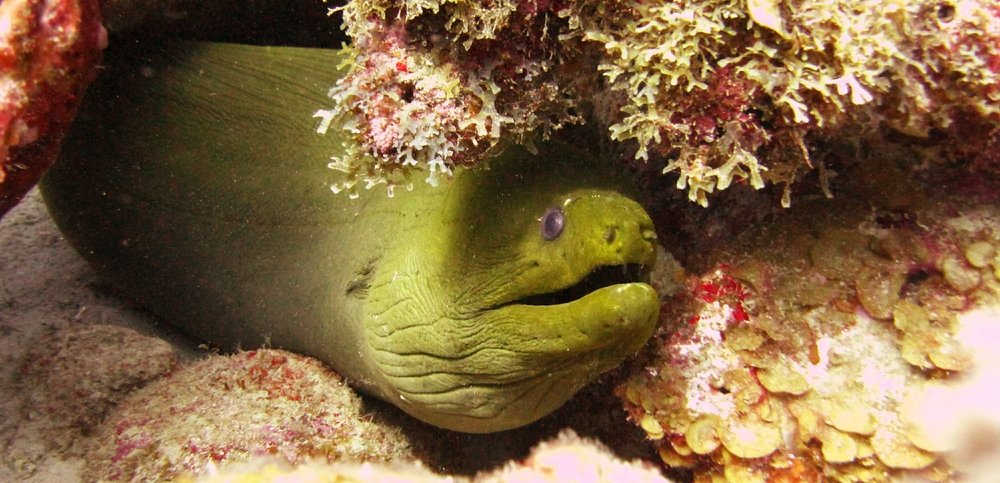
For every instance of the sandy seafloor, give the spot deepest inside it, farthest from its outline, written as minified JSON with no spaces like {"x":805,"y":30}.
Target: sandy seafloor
{"x":46,"y":285}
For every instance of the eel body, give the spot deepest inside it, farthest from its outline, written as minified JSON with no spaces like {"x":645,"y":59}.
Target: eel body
{"x":196,"y":181}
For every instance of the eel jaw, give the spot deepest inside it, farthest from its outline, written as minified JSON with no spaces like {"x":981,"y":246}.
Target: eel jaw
{"x":515,"y":362}
{"x":534,"y":352}
{"x":548,"y":346}
{"x":600,"y":277}
{"x":543,"y":355}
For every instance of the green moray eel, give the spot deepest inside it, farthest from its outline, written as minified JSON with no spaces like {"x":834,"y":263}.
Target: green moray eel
{"x":196,"y":180}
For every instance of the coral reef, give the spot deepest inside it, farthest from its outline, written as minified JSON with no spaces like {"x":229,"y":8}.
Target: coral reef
{"x":262,"y":403}
{"x":48,"y":55}
{"x":567,"y":458}
{"x":800,"y":355}
{"x":434,"y":85}
{"x":718,"y":91}
{"x":824,"y":343}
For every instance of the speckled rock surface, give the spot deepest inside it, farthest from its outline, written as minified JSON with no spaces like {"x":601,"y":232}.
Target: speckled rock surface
{"x":231,"y":408}
{"x":67,"y":382}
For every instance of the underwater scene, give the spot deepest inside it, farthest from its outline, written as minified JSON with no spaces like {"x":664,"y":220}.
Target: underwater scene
{"x":500,"y":241}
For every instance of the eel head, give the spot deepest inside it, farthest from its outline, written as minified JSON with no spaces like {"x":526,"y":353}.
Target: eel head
{"x":531,"y":281}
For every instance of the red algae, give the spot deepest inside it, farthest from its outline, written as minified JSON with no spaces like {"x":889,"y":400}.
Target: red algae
{"x":718,"y":92}
{"x":49,"y":52}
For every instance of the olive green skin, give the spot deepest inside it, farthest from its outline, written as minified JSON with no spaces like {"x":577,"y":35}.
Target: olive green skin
{"x":196,"y":181}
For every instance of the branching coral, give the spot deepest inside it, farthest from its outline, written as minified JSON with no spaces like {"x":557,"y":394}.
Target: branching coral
{"x":410,"y":115}
{"x":718,"y":91}
{"x":800,"y":68}
{"x":421,"y":96}
{"x":663,"y":56}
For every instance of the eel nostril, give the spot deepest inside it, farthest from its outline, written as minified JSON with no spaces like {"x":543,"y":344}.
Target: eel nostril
{"x":610,"y":234}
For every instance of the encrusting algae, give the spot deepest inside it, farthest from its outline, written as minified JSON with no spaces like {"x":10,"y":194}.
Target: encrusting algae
{"x":800,"y":356}
{"x":717,"y":91}
{"x":259,"y":405}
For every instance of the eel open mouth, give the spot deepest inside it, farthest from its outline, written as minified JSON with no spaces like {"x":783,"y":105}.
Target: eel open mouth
{"x":600,"y":277}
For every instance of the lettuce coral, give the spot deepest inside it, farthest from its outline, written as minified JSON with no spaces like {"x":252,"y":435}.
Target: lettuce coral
{"x":801,"y":355}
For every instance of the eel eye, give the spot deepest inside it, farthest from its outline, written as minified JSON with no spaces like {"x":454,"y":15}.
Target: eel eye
{"x":553,"y":223}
